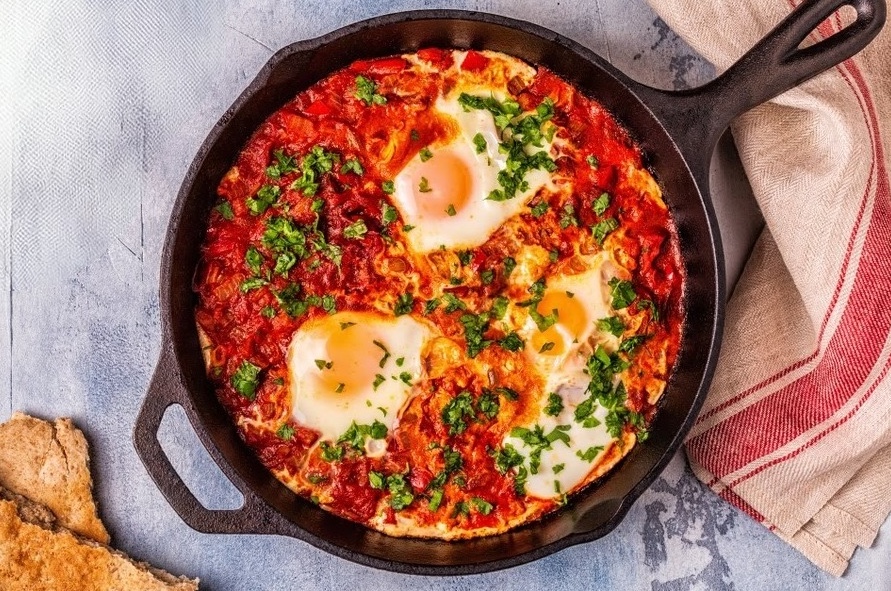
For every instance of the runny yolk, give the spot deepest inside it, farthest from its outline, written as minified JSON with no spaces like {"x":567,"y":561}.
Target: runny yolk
{"x":442,"y":185}
{"x":571,"y":322}
{"x":354,"y":361}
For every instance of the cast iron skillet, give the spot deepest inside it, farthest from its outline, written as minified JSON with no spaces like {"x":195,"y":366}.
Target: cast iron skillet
{"x":677,"y":131}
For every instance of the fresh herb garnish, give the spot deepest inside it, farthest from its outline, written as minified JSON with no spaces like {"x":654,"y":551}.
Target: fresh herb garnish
{"x":246,"y":379}
{"x":366,"y":91}
{"x":603,"y":228}
{"x":404,"y":304}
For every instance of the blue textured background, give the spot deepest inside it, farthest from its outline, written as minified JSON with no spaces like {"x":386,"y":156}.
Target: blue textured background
{"x":101,"y":110}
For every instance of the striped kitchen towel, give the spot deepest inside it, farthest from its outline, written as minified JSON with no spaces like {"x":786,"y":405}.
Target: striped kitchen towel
{"x":796,"y":430}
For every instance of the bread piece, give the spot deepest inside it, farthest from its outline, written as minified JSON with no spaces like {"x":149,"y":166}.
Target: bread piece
{"x":49,"y":464}
{"x":36,"y":554}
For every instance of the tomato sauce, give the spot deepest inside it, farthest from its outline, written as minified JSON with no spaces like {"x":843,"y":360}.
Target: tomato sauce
{"x":251,"y":324}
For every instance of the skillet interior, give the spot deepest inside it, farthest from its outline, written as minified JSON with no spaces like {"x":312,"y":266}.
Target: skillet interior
{"x":591,"y":514}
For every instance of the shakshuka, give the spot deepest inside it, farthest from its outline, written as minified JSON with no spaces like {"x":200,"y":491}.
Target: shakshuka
{"x":440,"y":293}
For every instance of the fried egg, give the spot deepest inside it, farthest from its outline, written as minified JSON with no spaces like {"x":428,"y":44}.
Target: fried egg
{"x":354,"y":367}
{"x":579,"y":301}
{"x":443,"y":190}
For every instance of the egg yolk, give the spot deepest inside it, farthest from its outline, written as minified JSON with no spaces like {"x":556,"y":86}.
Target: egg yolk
{"x":354,"y":358}
{"x":442,"y":185}
{"x":571,"y":321}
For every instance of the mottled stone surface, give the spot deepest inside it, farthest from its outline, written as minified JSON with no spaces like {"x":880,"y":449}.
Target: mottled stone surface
{"x":101,"y":110}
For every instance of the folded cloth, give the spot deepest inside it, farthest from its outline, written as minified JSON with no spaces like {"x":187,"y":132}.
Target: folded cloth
{"x":796,"y":430}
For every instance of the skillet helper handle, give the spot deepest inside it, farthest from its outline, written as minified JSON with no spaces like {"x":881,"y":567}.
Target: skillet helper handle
{"x":165,"y":390}
{"x":698,"y":117}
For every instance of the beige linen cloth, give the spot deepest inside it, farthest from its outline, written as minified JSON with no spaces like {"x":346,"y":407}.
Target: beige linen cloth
{"x":796,"y":430}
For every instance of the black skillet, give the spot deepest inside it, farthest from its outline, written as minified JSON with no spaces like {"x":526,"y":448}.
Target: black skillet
{"x":677,"y":131}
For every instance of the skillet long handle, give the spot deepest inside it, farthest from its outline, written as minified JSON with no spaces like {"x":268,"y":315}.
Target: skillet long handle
{"x":165,"y":390}
{"x":699,"y":116}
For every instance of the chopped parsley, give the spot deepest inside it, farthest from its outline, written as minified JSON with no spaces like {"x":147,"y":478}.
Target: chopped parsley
{"x":612,"y":325}
{"x":425,"y":154}
{"x":283,"y":165}
{"x":254,"y":260}
{"x":431,"y":305}
{"x":474,"y":328}
{"x":509,"y":265}
{"x":366,"y":91}
{"x":480,"y":143}
{"x":589,"y":454}
{"x":482,"y":505}
{"x":386,"y":356}
{"x":404,"y":304}
{"x":601,"y":203}
{"x":511,"y":342}
{"x":450,"y":210}
{"x":225,"y":210}
{"x":264,"y":199}
{"x":389,"y":213}
{"x":424,"y":186}
{"x":322,"y":364}
{"x":356,"y":230}
{"x":285,"y":432}
{"x":453,"y":303}
{"x":567,"y":216}
{"x":252,"y":283}
{"x":539,"y":209}
{"x":621,"y":292}
{"x":648,"y":304}
{"x":388,"y":187}
{"x":629,"y":344}
{"x":593,"y":162}
{"x":603,"y":228}
{"x":314,"y":165}
{"x":555,"y":405}
{"x":352,"y":165}
{"x":356,"y":434}
{"x":456,"y":411}
{"x":331,"y":453}
{"x":499,"y":308}
{"x":246,"y":379}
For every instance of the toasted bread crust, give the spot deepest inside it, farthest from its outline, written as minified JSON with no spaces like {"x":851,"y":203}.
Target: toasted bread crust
{"x":37,"y":554}
{"x":49,"y":463}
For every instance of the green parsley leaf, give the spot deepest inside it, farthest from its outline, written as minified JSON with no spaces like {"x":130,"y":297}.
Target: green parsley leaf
{"x":246,"y":379}
{"x":480,"y":143}
{"x":435,"y":499}
{"x":386,"y":356}
{"x":225,"y":210}
{"x":378,"y":380}
{"x":424,"y":186}
{"x":331,"y":453}
{"x":567,"y":217}
{"x":264,"y":199}
{"x":604,"y":228}
{"x":254,"y":260}
{"x":488,"y":404}
{"x":451,"y":210}
{"x":366,"y":91}
{"x":474,"y":327}
{"x":507,"y":393}
{"x":352,"y":165}
{"x":547,"y":347}
{"x":511,"y":342}
{"x":356,"y":230}
{"x":285,"y":432}
{"x":407,"y":228}
{"x":453,"y":303}
{"x":487,"y":276}
{"x":388,"y":187}
{"x":268,"y":312}
{"x":629,"y":344}
{"x":284,"y":164}
{"x":555,"y":405}
{"x":314,"y":165}
{"x":593,"y":162}
{"x":482,"y":505}
{"x":612,"y":325}
{"x":499,"y":308}
{"x":540,"y":209}
{"x":404,"y":304}
{"x":425,"y":154}
{"x":601,"y":203}
{"x":284,"y":262}
{"x":621,"y":292}
{"x":400,"y":492}
{"x":252,"y":283}
{"x":506,"y":458}
{"x":654,"y":311}
{"x":389,"y":213}
{"x":322,"y":364}
{"x":414,"y":135}
{"x":376,"y":479}
{"x":456,"y":411}
{"x":509,"y":265}
{"x":431,"y":305}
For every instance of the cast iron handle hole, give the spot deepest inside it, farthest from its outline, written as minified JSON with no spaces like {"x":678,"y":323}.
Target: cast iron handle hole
{"x":194,"y":465}
{"x":834,"y":24}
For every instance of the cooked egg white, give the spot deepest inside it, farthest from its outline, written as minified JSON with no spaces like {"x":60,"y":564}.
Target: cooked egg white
{"x":354,"y":367}
{"x":444,"y":195}
{"x":565,"y":465}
